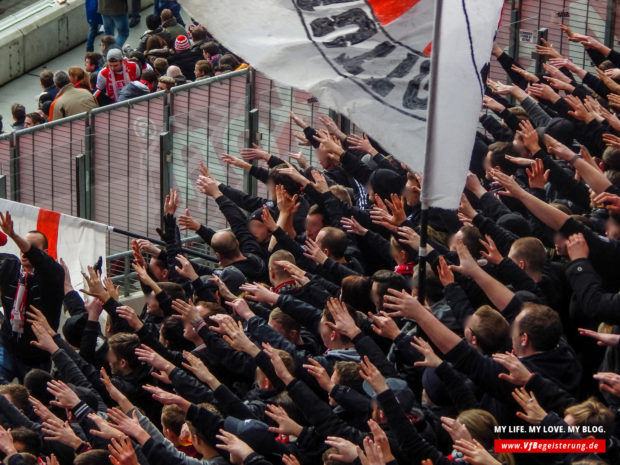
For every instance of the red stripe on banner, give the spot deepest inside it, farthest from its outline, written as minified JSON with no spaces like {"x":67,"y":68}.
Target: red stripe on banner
{"x":47,"y":223}
{"x":387,"y":11}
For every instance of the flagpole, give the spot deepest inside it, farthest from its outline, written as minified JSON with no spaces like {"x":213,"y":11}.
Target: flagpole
{"x":430,"y":146}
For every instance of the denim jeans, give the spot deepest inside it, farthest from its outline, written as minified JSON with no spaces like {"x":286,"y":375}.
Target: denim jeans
{"x":12,"y":366}
{"x":90,"y":40}
{"x":117,"y":22}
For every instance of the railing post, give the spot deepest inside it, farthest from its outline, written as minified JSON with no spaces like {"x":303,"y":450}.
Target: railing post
{"x":165,"y":156}
{"x":251,"y":129}
{"x":3,"y":193}
{"x":81,"y":184}
{"x":610,"y":23}
{"x":14,"y":169}
{"x":89,"y":168}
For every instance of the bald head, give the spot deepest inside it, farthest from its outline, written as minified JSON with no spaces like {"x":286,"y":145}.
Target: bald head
{"x":225,"y":243}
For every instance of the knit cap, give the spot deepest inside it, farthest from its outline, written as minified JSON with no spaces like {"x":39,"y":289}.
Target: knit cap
{"x":182,"y":43}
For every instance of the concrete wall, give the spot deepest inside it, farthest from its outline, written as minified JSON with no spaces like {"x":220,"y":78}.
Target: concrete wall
{"x":39,"y":33}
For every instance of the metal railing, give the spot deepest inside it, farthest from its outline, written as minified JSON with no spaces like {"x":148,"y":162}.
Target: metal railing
{"x":116,"y":164}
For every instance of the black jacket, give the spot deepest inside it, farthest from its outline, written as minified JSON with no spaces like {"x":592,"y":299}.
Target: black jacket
{"x":45,"y":290}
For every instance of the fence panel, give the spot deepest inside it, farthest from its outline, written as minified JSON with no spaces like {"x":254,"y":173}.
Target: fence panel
{"x":5,"y":163}
{"x":207,"y":121}
{"x":126,"y":159}
{"x":275,"y":103}
{"x":582,"y":16}
{"x":47,"y":175}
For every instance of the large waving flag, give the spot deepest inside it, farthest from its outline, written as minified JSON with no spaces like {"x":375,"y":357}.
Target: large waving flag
{"x":370,"y":60}
{"x":77,"y":241}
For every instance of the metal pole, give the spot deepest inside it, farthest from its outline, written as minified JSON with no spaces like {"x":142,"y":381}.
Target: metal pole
{"x":430,"y":121}
{"x":158,"y":242}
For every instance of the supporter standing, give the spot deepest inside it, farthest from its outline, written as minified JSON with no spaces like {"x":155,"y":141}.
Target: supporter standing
{"x":115,"y":19}
{"x":115,"y":76}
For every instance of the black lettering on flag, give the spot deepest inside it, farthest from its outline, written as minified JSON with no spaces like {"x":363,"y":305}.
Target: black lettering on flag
{"x":366,"y":27}
{"x":384,"y":86}
{"x":411,"y":99}
{"x":309,"y":5}
{"x":354,"y":64}
{"x":352,"y":41}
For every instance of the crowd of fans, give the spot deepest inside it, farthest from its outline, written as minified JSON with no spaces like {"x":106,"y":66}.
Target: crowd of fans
{"x":167,"y":55}
{"x":307,"y":342}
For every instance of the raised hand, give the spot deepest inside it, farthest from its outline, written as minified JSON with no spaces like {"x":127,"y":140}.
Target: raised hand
{"x":296,"y":273}
{"x":444,"y":272}
{"x":320,"y":183}
{"x":286,"y":425}
{"x":200,"y":370}
{"x":34,"y":315}
{"x":286,"y":202}
{"x":6,"y":224}
{"x":331,"y":147}
{"x":130,"y":426}
{"x":474,"y":453}
{"x":236,"y":448}
{"x":57,"y":430}
{"x":577,"y":247}
{"x":518,"y":374}
{"x":171,"y":203}
{"x":278,"y":365}
{"x":529,"y":77}
{"x":65,"y":397}
{"x":208,"y":186}
{"x":347,"y":451}
{"x":233,"y":161}
{"x":189,"y":313}
{"x":383,"y":325}
{"x":455,"y":429}
{"x":236,"y":337}
{"x":362,"y":144}
{"x":602,"y":339}
{"x":44,"y":341}
{"x":104,"y":429}
{"x":254,"y":153}
{"x":408,"y":236}
{"x":166,"y":398}
{"x":609,"y":382}
{"x":430,"y":357}
{"x":320,"y":374}
{"x":467,"y":265}
{"x":259,"y":293}
{"x":186,"y":222}
{"x":129,"y":315}
{"x":301,"y":160}
{"x":532,"y":412}
{"x":490,"y":253}
{"x":148,"y":355}
{"x":372,"y":454}
{"x":402,"y":304}
{"x":186,"y":269}
{"x":314,"y":252}
{"x":343,"y":321}
{"x":41,"y":410}
{"x":95,"y":286}
{"x":298,"y":121}
{"x":547,"y":49}
{"x":537,"y":175}
{"x":122,"y":452}
{"x":373,"y":376}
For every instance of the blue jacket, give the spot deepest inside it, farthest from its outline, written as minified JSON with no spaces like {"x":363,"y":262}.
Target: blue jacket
{"x":91,"y":12}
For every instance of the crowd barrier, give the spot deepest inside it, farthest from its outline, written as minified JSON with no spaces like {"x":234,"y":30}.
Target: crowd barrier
{"x":116,"y":164}
{"x":524,"y":21}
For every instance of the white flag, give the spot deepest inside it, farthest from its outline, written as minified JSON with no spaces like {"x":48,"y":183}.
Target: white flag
{"x":77,"y":241}
{"x":370,"y":61}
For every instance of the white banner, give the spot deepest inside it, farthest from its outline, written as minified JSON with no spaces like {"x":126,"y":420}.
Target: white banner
{"x":369,"y":60}
{"x":78,"y":242}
